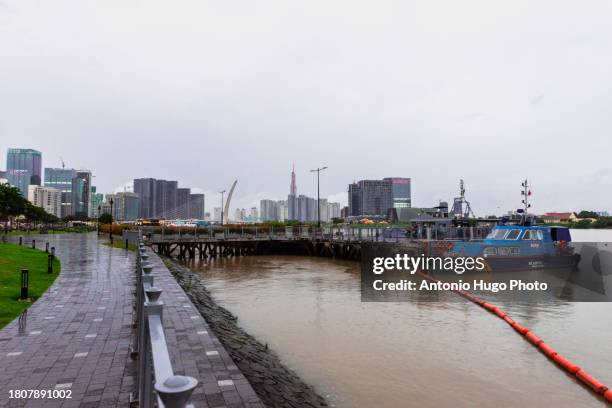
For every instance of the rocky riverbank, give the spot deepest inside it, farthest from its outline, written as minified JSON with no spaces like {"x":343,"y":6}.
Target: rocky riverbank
{"x":275,"y":384}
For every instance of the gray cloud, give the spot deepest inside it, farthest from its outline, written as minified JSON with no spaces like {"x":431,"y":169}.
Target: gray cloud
{"x":206,"y":92}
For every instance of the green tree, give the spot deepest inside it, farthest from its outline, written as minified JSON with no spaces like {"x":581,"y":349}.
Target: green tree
{"x":587,"y":214}
{"x":105,"y":218}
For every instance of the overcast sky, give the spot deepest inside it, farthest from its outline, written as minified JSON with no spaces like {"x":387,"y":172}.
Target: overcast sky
{"x":207,"y":92}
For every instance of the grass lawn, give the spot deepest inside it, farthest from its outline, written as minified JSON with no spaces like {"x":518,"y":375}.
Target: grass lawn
{"x":118,"y":243}
{"x":14,"y":258}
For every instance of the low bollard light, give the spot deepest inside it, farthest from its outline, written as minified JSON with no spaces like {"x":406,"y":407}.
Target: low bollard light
{"x":33,"y":244}
{"x":53,"y":251}
{"x":25,"y":283}
{"x":47,"y":247}
{"x":20,"y":240}
{"x":126,"y":244}
{"x":147,"y":268}
{"x":176,"y":390}
{"x":49,"y":263}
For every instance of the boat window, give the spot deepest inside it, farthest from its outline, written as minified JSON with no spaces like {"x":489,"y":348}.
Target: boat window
{"x":540,"y":235}
{"x":527,"y":235}
{"x":513,"y":234}
{"x":503,"y":251}
{"x":490,"y":251}
{"x":497,"y":234}
{"x":515,"y":251}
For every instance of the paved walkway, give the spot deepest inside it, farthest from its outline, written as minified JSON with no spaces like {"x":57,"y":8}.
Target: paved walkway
{"x":196,"y":351}
{"x":77,"y":335}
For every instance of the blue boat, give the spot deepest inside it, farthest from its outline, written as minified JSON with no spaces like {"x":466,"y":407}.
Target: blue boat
{"x":521,"y":247}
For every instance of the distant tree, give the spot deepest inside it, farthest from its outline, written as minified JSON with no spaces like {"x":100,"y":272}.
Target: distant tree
{"x":12,"y":202}
{"x":337,"y":220}
{"x":105,"y":218}
{"x":587,"y":214}
{"x":582,"y":224}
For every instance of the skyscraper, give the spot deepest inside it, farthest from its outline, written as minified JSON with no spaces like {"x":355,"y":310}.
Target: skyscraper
{"x":48,"y":198}
{"x":400,"y":191}
{"x":81,"y":194}
{"x":196,"y":206}
{"x":170,"y":199}
{"x":61,"y":179}
{"x":370,"y":197}
{"x":126,"y":206}
{"x":182,"y":203}
{"x":23,"y":167}
{"x":145,"y":188}
{"x":292,"y":199}
{"x":268,"y":210}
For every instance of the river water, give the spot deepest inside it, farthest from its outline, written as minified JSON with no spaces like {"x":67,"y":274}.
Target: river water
{"x":309,"y":311}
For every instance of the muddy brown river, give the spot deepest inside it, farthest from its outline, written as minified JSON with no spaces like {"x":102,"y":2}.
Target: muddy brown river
{"x":431,"y":354}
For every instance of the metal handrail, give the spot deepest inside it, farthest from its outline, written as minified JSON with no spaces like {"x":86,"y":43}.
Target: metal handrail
{"x":158,"y":386}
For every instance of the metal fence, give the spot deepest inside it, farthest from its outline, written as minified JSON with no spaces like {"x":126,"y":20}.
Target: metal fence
{"x":343,"y":233}
{"x":158,"y":386}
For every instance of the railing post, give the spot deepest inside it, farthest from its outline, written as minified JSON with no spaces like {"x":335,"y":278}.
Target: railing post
{"x":175,"y":391}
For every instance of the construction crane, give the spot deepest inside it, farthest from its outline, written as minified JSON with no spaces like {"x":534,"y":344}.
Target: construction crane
{"x":458,"y":204}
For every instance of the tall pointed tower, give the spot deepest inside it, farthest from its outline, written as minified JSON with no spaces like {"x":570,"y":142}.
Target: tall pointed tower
{"x":292,"y":198}
{"x":293,"y":187}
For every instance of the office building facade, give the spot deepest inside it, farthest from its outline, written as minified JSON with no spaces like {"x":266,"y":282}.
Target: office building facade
{"x":47,"y":198}
{"x":196,"y":206}
{"x":268,"y":210}
{"x":183,"y":196}
{"x":61,"y":179}
{"x":23,"y":168}
{"x":81,"y":194}
{"x":145,"y":188}
{"x":376,"y":197}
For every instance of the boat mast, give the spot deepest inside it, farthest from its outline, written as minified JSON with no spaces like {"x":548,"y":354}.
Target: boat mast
{"x":526,"y":193}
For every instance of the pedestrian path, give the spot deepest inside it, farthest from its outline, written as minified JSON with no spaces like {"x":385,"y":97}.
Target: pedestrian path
{"x":76,"y":337}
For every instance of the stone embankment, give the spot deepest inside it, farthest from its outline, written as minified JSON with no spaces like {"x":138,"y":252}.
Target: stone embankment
{"x":274,"y":383}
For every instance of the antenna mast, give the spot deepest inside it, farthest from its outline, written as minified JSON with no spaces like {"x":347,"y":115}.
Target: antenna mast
{"x":526,"y":193}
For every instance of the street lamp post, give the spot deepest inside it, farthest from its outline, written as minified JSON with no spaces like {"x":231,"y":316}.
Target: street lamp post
{"x":110,"y":231}
{"x":99,"y":213}
{"x":318,"y":170}
{"x":222,"y":192}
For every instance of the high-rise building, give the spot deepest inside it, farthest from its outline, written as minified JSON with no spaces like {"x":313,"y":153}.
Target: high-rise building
{"x":182,"y":203}
{"x":370,"y":197}
{"x":81,"y":194}
{"x":282,"y":213}
{"x":126,"y":206}
{"x":170,"y":199}
{"x":217,"y":214}
{"x":306,"y":208}
{"x":47,"y":198}
{"x":323,"y":204}
{"x":96,"y":202}
{"x":400,"y":191}
{"x":354,"y":199}
{"x":23,"y":167}
{"x":145,"y":188}
{"x":61,"y":179}
{"x":196,"y":206}
{"x":268,"y":210}
{"x":240,"y":214}
{"x":254,"y":215}
{"x":334,"y":210}
{"x":159,"y":208}
{"x":292,"y":198}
